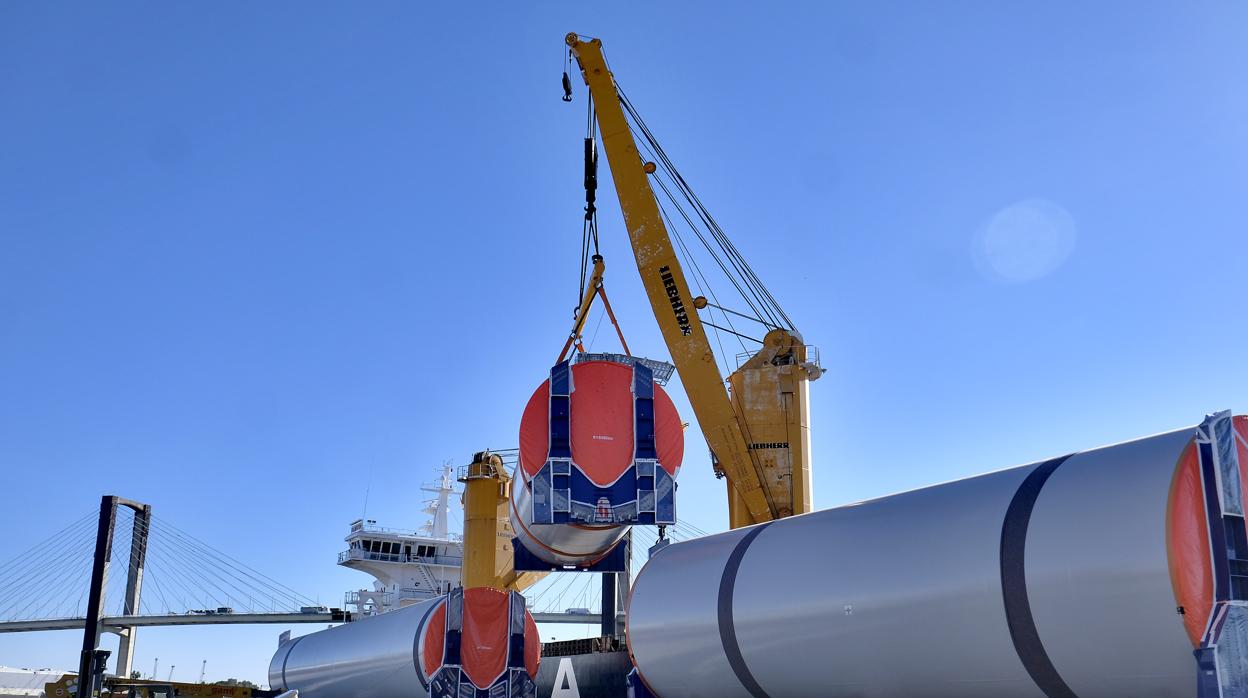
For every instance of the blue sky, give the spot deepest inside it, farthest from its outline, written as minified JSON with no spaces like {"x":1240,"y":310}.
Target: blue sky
{"x":257,"y":260}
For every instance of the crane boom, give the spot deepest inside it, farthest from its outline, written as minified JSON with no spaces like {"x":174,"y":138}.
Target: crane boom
{"x":759,"y":434}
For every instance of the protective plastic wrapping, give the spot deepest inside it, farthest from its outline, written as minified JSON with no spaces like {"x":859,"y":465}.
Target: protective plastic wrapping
{"x":1231,"y":651}
{"x":1191,"y":571}
{"x":485,"y":639}
{"x":1228,"y":464}
{"x":601,"y":424}
{"x":600,"y":446}
{"x":404,"y":653}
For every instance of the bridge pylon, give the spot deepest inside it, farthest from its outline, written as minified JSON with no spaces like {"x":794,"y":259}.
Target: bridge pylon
{"x":92,"y":661}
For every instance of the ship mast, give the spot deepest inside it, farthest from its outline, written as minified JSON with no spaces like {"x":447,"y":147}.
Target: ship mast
{"x":438,"y":525}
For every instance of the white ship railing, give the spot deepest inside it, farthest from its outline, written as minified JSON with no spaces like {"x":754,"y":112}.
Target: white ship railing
{"x":388,"y":598}
{"x":360,"y":526}
{"x":356,"y":554}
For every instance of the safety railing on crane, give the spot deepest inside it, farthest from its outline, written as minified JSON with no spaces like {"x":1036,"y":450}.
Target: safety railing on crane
{"x":812,"y":356}
{"x":661,"y":369}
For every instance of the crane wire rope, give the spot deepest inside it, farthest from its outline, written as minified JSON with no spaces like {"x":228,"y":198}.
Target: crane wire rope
{"x":589,"y":237}
{"x":589,"y":227}
{"x":590,"y":234}
{"x":693,"y":227}
{"x":699,"y":278}
{"x":763,"y":303}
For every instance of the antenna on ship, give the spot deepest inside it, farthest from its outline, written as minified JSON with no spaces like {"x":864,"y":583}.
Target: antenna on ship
{"x":368,"y":487}
{"x":439,"y":526}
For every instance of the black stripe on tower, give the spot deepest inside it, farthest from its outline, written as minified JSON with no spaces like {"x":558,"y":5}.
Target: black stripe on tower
{"x":1014,"y":583}
{"x":727,"y":627}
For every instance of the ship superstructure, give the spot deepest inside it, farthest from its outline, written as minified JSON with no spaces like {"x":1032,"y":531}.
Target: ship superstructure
{"x":409,"y":566}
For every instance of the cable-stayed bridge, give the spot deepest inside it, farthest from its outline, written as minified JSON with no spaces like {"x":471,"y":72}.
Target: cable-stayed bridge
{"x":184,"y":581}
{"x":181,"y":575}
{"x":122,"y":568}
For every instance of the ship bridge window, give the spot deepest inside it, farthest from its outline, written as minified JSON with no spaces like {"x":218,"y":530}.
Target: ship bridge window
{"x":424,"y":551}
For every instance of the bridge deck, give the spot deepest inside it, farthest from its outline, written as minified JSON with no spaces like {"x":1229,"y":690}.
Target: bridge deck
{"x":117,"y":622}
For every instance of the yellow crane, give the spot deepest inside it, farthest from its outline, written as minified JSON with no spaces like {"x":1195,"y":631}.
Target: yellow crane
{"x":488,"y":532}
{"x":757,"y":422}
{"x":758,"y":425}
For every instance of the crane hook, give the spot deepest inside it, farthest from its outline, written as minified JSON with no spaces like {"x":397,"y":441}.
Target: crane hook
{"x":567,"y":87}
